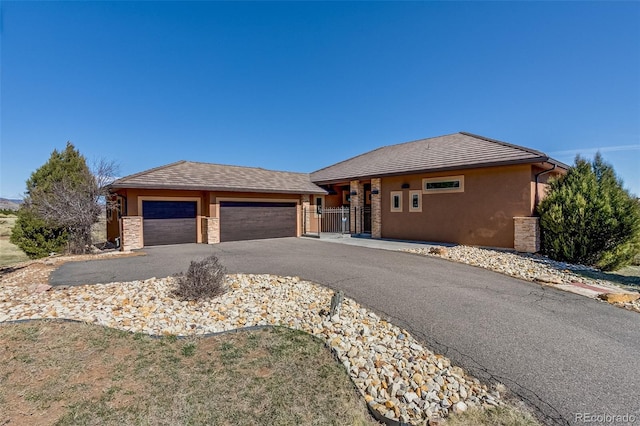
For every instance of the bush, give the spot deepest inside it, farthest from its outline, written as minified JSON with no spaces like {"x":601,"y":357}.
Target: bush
{"x":204,"y":279}
{"x":35,"y":237}
{"x":588,"y":218}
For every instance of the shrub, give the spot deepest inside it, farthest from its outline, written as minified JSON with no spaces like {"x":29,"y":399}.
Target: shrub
{"x":65,"y":194}
{"x":35,"y":237}
{"x":204,"y":279}
{"x":588,"y":218}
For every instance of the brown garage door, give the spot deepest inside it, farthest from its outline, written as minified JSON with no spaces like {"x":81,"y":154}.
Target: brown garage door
{"x":169,"y":222}
{"x":254,"y":221}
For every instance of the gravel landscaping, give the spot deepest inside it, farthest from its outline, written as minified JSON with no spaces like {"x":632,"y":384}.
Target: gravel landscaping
{"x":529,"y":267}
{"x":399,"y":379}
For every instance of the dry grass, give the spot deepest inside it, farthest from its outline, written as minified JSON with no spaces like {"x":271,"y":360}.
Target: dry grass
{"x":99,"y":230}
{"x":9,"y":253}
{"x":68,"y":373}
{"x":499,"y":416}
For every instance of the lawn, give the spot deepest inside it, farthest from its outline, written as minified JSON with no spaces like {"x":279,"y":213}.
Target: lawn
{"x":70,"y":373}
{"x":9,"y":253}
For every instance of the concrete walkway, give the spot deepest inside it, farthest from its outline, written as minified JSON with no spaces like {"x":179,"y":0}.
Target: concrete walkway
{"x":367,"y":241}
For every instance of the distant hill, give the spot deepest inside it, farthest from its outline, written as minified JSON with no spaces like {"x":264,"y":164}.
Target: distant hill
{"x":8,"y":204}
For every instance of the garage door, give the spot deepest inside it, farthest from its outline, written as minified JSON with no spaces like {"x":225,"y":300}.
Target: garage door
{"x":253,"y":221}
{"x":169,"y":222}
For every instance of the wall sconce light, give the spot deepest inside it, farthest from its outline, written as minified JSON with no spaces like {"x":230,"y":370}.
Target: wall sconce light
{"x":375,"y":191}
{"x":405,"y":186}
{"x":354,"y":192}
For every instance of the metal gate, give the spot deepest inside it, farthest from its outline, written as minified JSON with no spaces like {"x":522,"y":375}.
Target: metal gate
{"x":329,"y":219}
{"x":336,"y":220}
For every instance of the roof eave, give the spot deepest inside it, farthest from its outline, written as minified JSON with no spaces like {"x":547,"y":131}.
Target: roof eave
{"x":543,"y":159}
{"x":216,"y":188}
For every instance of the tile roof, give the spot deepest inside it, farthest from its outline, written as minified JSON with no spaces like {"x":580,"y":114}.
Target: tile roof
{"x":450,"y":152}
{"x":217,"y":177}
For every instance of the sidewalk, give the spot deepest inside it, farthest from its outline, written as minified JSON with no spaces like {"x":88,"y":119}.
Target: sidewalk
{"x":366,"y":241}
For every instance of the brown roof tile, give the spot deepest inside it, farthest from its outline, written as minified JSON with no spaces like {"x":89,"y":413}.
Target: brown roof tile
{"x":450,"y":152}
{"x":218,"y":177}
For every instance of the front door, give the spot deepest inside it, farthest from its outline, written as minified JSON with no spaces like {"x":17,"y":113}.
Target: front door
{"x":366,"y":211}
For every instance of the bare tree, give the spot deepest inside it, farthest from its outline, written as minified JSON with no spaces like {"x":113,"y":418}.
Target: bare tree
{"x":76,"y":204}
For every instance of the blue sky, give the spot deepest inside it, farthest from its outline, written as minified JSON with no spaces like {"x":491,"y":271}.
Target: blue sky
{"x":301,"y":85}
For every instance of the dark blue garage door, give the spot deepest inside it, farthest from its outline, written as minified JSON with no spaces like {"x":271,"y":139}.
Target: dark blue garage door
{"x":169,"y":222}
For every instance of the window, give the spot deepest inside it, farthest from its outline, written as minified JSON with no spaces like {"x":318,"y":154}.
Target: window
{"x":346,"y":197}
{"x":318,"y":206}
{"x":396,"y":201}
{"x":415,"y":201}
{"x":443,"y":184}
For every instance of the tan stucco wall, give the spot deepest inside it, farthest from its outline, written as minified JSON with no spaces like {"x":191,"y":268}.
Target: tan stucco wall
{"x":113,"y":225}
{"x":543,"y":182}
{"x":481,"y":215}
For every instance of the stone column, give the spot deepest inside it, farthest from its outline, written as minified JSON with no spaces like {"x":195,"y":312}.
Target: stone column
{"x":357,"y":203}
{"x":376,"y":208}
{"x":131,"y":233}
{"x":211,"y":227}
{"x":526,"y":236}
{"x":306,"y":214}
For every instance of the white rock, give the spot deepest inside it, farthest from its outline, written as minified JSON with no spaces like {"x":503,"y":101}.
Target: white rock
{"x":410,"y":397}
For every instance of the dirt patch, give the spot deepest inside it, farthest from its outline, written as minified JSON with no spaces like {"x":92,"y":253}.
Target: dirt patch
{"x":72,"y":373}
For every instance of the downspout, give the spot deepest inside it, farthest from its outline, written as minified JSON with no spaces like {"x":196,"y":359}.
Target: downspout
{"x":121,"y":212}
{"x":537,"y":199}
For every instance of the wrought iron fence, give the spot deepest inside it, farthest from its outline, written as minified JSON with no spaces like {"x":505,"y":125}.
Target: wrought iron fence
{"x":328,"y":219}
{"x":336,"y":219}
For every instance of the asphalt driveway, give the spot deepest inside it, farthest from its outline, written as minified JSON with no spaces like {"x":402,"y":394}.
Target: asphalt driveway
{"x":564,"y":354}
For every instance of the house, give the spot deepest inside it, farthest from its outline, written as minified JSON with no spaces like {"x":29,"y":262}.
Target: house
{"x":459,"y":188}
{"x":193,"y":202}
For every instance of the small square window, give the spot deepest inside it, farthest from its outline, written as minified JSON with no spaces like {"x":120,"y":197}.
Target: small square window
{"x":415,"y":201}
{"x":396,"y":201}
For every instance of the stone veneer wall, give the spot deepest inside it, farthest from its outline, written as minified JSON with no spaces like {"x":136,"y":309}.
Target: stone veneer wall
{"x":131,"y":233}
{"x":211,"y":228}
{"x":526,"y":236}
{"x":306,"y":213}
{"x":376,"y":208}
{"x":356,"y":203}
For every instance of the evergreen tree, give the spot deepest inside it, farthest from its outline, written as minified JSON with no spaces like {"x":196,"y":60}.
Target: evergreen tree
{"x":34,"y":237}
{"x":62,"y":204}
{"x":589,"y":218}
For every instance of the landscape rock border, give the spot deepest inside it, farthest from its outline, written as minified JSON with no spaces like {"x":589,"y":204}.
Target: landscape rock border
{"x":530,"y":267}
{"x":401,"y":381}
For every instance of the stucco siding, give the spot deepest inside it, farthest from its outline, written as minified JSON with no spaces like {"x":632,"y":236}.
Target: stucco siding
{"x":481,"y":215}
